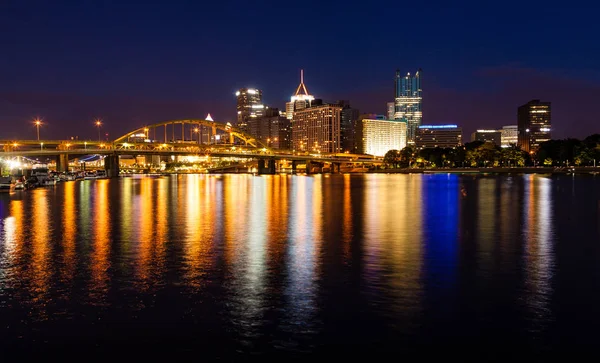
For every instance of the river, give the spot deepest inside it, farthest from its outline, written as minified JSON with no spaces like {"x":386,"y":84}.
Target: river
{"x":229,"y":265}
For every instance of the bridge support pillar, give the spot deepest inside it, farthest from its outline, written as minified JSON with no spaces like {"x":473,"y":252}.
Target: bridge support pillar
{"x":111,"y":165}
{"x":308,"y":167}
{"x":294,"y":166}
{"x":335,"y":168}
{"x":266,"y":166}
{"x":62,"y":163}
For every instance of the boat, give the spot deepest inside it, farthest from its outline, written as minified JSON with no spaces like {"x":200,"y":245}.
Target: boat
{"x":44,"y":177}
{"x":89,"y":175}
{"x":20,"y":183}
{"x":32,"y":182}
{"x":6,"y":184}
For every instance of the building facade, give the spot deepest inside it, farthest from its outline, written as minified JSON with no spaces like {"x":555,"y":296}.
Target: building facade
{"x":493,"y":136}
{"x":408,"y":102}
{"x":509,"y":135}
{"x":272,"y":129}
{"x":443,"y":136}
{"x":316,"y":129}
{"x":390,"y":110}
{"x":534,"y":124}
{"x":249,"y":106}
{"x":348,"y":122}
{"x":300,"y":100}
{"x":378,"y":135}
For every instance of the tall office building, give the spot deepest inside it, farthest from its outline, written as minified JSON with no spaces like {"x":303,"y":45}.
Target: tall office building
{"x":378,"y":136}
{"x":391,"y":110}
{"x":301,"y":98}
{"x":509,"y":135}
{"x":348,"y":120}
{"x":493,"y":136}
{"x":534,"y":124}
{"x":272,"y":129}
{"x":316,"y":128}
{"x":408,"y":101}
{"x":249,"y":106}
{"x":444,"y":136}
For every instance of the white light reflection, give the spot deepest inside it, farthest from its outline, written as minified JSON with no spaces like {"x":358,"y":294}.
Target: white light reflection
{"x":538,"y":250}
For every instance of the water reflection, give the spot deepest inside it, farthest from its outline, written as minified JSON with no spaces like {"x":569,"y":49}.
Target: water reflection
{"x":304,"y":242}
{"x":296,"y":261}
{"x":393,"y":239}
{"x":102,"y":235}
{"x":538,"y":252}
{"x":40,"y":260}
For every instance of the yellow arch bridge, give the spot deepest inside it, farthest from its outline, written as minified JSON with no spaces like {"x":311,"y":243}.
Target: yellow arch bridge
{"x":173,"y":138}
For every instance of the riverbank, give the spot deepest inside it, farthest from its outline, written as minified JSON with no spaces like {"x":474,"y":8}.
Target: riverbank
{"x":494,"y":170}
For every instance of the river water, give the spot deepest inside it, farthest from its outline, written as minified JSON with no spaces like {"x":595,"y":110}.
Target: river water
{"x":228,"y":265}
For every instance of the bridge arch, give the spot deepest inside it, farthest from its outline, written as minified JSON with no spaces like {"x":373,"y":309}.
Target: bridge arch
{"x":234,"y":131}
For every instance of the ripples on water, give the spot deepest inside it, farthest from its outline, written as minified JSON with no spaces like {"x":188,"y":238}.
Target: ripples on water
{"x":245,"y":264}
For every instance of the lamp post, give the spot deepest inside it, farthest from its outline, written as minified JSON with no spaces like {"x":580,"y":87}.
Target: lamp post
{"x":41,"y":146}
{"x":38,"y":123}
{"x":196,"y":130}
{"x":98,"y":124}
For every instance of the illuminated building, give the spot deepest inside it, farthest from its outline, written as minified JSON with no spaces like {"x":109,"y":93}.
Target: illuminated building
{"x":493,"y":136}
{"x":378,"y":136}
{"x":444,"y":136}
{"x":316,"y":128}
{"x":390,"y":110}
{"x":301,"y":98}
{"x":273,"y":129}
{"x":509,"y":135}
{"x":534,"y":124}
{"x":249,"y":105}
{"x":408,"y":101}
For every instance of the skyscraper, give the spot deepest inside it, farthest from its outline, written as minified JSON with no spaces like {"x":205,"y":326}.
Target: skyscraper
{"x":391,"y":110}
{"x":316,"y":129}
{"x":273,"y":129}
{"x":534,"y":123}
{"x":349,"y":117}
{"x":301,"y":98}
{"x":249,"y":105}
{"x":408,"y":102}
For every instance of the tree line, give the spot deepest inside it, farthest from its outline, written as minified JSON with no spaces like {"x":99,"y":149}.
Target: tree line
{"x":558,"y":153}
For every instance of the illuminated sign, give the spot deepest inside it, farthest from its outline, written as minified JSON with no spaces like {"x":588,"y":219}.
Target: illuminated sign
{"x":438,"y":126}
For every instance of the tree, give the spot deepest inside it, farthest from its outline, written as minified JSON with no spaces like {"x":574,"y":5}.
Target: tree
{"x":393,"y":158}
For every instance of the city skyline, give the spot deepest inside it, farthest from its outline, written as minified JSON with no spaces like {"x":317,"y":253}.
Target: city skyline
{"x":117,"y":73}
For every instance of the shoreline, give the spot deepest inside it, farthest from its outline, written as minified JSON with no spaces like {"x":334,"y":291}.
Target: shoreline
{"x":493,"y":170}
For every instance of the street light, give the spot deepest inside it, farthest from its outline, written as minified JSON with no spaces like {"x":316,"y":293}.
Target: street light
{"x":98,"y":124}
{"x":38,"y":123}
{"x":41,"y":146}
{"x":85,"y":144}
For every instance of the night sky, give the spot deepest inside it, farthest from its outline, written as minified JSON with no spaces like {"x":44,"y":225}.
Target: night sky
{"x":134,"y":64}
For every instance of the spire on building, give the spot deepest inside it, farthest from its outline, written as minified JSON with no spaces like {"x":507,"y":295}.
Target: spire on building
{"x":208,"y":118}
{"x":301,"y":86}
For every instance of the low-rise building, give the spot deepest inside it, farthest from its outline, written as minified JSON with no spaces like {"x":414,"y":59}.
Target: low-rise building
{"x":378,"y":136}
{"x":444,"y":136}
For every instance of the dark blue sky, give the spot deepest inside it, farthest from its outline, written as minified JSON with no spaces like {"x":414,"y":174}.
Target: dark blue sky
{"x":134,"y":64}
